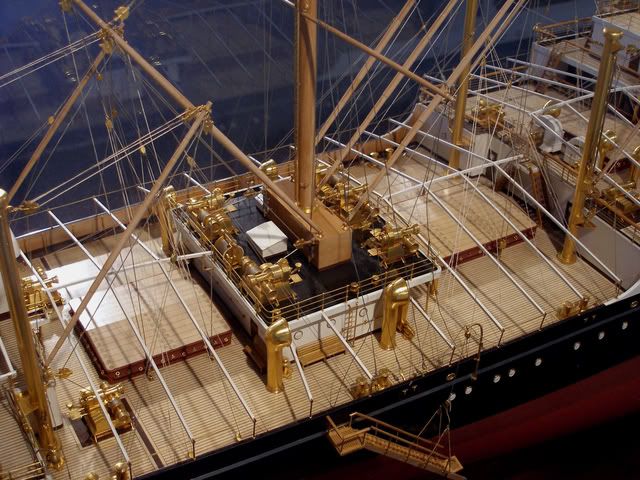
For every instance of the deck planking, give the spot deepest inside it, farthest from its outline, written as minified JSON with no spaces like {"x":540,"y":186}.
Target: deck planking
{"x":442,"y":232}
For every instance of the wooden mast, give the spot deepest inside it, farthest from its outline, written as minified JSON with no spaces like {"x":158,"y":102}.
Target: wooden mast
{"x":331,"y":245}
{"x":306,"y":71}
{"x":591,"y":142}
{"x":34,"y":403}
{"x":463,"y":88}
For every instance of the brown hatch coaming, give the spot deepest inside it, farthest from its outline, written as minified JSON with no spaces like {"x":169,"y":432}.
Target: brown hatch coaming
{"x":106,"y":326}
{"x":494,"y":246}
{"x":163,"y":359}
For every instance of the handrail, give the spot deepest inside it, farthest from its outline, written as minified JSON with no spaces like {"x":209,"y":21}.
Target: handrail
{"x":363,"y":416}
{"x":373,"y":437}
{"x":554,"y":32}
{"x":414,"y":445}
{"x":333,"y":425}
{"x":359,"y":434}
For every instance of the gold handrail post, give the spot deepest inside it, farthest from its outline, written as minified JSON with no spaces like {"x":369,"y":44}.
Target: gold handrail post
{"x":35,"y":404}
{"x":461,"y":97}
{"x":592,"y":140}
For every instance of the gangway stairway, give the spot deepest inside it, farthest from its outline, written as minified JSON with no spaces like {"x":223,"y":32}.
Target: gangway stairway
{"x":385,"y":439}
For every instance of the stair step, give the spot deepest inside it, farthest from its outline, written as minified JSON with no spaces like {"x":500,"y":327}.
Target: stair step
{"x":352,"y":444}
{"x":417,"y":458}
{"x":394,"y":443}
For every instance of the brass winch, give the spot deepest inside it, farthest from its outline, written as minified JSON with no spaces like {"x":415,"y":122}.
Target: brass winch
{"x":214,"y":224}
{"x":89,"y":410}
{"x":488,"y":115}
{"x":35,"y":298}
{"x":393,"y":244}
{"x":362,"y":387}
{"x":209,"y":215}
{"x":569,"y":308}
{"x":212,"y":201}
{"x":341,"y":198}
{"x":269,"y":283}
{"x":270,"y":167}
{"x":232,"y":253}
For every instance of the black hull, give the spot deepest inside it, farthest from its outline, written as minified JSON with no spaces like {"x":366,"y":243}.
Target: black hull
{"x":568,"y":351}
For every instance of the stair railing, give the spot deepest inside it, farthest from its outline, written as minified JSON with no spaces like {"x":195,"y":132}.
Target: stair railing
{"x":359,"y":434}
{"x":390,"y":433}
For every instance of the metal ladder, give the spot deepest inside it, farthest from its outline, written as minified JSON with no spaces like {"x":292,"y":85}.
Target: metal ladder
{"x":385,"y":439}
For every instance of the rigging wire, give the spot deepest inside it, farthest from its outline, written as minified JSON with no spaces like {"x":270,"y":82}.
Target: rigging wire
{"x":36,"y":65}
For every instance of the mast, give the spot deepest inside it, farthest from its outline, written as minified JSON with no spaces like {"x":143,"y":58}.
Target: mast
{"x":592,"y":140}
{"x":461,"y":98}
{"x":305,"y":115}
{"x":35,"y":401}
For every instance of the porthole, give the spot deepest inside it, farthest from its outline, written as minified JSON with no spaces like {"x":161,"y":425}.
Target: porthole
{"x":452,"y":397}
{"x":297,"y":335}
{"x":496,"y":378}
{"x":576,"y":346}
{"x":538,"y":362}
{"x":512,"y":372}
{"x":625,"y":324}
{"x":600,"y":335}
{"x":634,"y":304}
{"x":468,"y":390}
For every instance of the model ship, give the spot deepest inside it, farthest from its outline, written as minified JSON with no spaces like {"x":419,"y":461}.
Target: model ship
{"x":372,"y":292}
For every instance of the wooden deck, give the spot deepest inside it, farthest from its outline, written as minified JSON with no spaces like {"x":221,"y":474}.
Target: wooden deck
{"x":442,"y":232}
{"x":13,"y":439}
{"x":210,"y":408}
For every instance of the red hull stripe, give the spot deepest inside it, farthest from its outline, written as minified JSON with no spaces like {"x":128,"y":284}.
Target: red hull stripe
{"x":597,"y":399}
